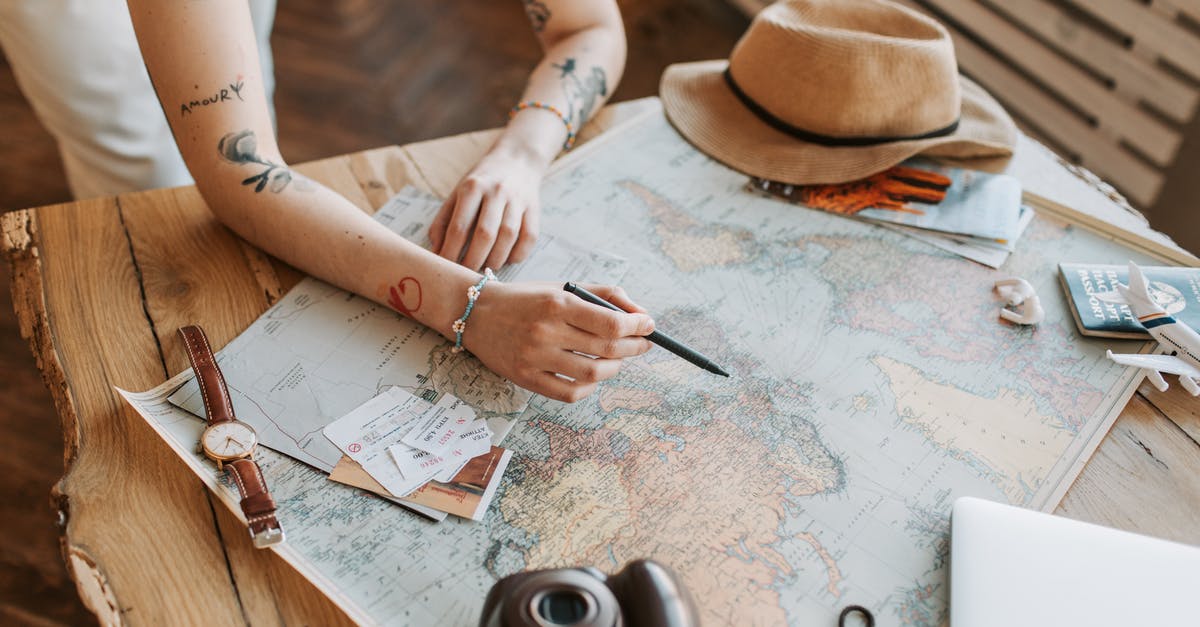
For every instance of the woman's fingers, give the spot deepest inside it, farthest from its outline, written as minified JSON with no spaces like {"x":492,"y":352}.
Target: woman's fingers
{"x":553,"y":386}
{"x":581,"y":368}
{"x":551,"y":342}
{"x":486,"y":226}
{"x":462,"y":219}
{"x":437,"y":229}
{"x":604,"y":322}
{"x":616,"y":296}
{"x":612,"y":348}
{"x":506,"y":235}
{"x":530,"y":224}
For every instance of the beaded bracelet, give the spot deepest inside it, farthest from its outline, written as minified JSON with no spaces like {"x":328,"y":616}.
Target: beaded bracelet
{"x":534,"y":104}
{"x":473,"y":292}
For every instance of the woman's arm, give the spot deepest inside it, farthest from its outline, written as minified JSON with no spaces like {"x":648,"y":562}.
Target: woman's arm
{"x":492,"y":216}
{"x":204,"y":65}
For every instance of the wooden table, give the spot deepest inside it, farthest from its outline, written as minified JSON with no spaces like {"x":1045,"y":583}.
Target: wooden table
{"x":99,"y":287}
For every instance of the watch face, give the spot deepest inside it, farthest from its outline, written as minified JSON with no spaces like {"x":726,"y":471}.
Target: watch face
{"x":229,"y":440}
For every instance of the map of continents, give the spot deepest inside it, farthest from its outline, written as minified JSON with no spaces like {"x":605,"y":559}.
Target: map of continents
{"x":696,"y":480}
{"x":872,"y":385}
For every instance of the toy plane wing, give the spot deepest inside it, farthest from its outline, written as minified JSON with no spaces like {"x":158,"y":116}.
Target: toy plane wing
{"x":1162,"y":363}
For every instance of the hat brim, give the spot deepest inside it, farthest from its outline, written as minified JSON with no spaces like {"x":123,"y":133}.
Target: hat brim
{"x":703,"y":108}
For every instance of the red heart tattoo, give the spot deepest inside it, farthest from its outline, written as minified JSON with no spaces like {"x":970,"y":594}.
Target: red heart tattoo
{"x":407,"y":287}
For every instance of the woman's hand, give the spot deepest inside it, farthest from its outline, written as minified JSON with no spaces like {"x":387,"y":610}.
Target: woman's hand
{"x":532,"y":334}
{"x":495,"y":209}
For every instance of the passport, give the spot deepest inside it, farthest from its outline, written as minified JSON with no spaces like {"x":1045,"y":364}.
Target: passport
{"x":1176,"y":289}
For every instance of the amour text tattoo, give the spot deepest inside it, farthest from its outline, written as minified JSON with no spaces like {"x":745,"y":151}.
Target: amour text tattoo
{"x":233,"y":90}
{"x":538,"y":14}
{"x":582,"y":92}
{"x":405,"y":296}
{"x":242,"y":148}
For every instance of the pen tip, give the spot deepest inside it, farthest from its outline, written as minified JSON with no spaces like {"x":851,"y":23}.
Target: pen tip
{"x":717,"y":370}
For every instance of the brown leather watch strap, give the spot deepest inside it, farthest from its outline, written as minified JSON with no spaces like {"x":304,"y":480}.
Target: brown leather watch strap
{"x":257,"y":504}
{"x":217,"y":406}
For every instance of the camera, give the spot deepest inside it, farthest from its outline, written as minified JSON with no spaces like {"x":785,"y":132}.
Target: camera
{"x":642,"y":594}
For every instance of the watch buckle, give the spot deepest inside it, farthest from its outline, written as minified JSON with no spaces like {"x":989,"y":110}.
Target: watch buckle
{"x":268,"y":537}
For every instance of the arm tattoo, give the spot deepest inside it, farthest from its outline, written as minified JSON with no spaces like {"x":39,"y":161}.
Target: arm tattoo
{"x":582,"y":93}
{"x":242,"y":148}
{"x":233,"y":90}
{"x":397,"y":293}
{"x":538,"y":14}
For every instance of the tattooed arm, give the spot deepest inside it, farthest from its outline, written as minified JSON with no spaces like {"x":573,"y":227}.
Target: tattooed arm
{"x":204,"y":65}
{"x":492,"y":216}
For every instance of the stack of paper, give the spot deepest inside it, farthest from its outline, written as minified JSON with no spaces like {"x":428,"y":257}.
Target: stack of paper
{"x":436,"y":455}
{"x":973,"y":214}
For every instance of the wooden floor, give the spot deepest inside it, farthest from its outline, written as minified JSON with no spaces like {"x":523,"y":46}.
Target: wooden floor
{"x":352,"y":74}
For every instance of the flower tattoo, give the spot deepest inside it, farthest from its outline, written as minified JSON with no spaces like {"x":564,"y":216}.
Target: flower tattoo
{"x":242,"y":148}
{"x":582,"y":92}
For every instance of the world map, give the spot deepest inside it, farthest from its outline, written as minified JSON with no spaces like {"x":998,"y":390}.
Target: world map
{"x":872,"y":384}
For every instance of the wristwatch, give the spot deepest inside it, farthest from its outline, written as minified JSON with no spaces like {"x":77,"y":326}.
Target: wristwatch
{"x":230,"y":443}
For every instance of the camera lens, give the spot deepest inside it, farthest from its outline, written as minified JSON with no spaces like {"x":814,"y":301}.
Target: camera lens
{"x":563,"y":607}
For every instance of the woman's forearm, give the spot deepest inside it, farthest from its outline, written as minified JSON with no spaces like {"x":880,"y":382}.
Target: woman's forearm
{"x":492,"y":215}
{"x":584,"y":60}
{"x":203,"y":61}
{"x":323,"y":234}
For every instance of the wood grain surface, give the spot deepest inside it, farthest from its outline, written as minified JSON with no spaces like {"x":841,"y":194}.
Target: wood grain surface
{"x":100,"y":287}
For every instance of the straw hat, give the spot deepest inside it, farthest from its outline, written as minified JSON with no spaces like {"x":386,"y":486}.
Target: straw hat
{"x":828,"y":91}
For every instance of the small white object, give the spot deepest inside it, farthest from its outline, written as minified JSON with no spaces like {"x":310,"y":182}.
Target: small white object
{"x":1020,"y":295}
{"x":1190,"y":385}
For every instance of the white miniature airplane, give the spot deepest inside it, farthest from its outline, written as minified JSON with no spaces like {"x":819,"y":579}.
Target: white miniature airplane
{"x":1177,"y":338}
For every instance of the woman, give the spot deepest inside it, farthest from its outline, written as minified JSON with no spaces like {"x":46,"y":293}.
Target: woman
{"x":203,"y":61}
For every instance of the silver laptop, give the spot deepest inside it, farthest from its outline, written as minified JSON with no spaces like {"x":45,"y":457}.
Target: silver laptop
{"x":1011,"y":566}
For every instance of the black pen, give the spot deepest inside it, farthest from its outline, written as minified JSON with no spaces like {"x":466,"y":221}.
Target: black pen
{"x":658,"y":337}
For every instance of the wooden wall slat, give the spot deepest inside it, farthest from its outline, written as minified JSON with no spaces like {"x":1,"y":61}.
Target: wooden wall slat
{"x":1137,"y":179}
{"x":1151,"y":30}
{"x":1130,"y":73}
{"x":1191,"y":8}
{"x":1124,"y":119}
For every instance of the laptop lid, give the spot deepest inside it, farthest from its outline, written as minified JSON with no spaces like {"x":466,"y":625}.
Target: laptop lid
{"x":1012,"y":566}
